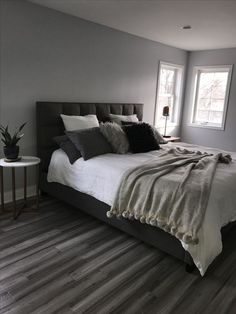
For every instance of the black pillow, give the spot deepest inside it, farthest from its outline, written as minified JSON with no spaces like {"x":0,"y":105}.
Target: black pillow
{"x":90,"y":142}
{"x":141,"y":138}
{"x":68,"y":147}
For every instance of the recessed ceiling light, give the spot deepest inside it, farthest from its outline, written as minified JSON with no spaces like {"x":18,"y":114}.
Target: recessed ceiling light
{"x":186,"y":27}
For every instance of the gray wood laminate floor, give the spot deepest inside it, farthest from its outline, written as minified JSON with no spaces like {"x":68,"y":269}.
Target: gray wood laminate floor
{"x":63,"y":261}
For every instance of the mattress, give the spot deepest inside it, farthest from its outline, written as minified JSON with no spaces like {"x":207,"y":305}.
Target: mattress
{"x":101,"y":176}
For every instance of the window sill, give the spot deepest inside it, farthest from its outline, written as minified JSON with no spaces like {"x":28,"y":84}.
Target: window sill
{"x":203,"y":126}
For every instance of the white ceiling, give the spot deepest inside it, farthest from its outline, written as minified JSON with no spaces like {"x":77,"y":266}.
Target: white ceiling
{"x":213,"y":21}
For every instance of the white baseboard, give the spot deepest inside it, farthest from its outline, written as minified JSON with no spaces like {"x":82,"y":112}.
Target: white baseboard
{"x":31,"y":191}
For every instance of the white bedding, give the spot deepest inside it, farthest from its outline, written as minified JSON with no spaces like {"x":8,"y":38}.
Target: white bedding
{"x":100,"y":177}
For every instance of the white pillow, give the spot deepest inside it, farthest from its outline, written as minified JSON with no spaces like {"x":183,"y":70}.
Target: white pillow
{"x":73,"y":123}
{"x":117,"y":118}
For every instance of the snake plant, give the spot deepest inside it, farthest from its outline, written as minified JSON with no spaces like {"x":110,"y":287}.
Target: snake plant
{"x":11,"y":140}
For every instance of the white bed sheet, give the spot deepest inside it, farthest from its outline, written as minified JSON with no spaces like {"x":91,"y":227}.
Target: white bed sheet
{"x":100,"y":177}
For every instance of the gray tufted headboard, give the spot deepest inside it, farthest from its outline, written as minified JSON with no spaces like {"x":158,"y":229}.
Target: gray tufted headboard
{"x":49,"y":122}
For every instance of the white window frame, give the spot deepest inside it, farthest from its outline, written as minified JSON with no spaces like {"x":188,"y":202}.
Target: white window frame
{"x":197,"y":70}
{"x":178,"y":92}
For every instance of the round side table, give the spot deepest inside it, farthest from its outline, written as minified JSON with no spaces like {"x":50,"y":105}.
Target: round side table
{"x":26,"y":161}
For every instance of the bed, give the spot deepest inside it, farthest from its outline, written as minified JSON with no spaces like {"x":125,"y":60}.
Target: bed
{"x":97,"y":203}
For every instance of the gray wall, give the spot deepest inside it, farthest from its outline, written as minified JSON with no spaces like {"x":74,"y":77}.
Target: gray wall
{"x":225,"y":139}
{"x":48,"y":55}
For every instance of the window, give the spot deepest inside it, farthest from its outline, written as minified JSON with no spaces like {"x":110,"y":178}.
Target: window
{"x":169,"y":93}
{"x":210,"y":96}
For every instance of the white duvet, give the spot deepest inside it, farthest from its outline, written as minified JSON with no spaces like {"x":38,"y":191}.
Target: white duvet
{"x":100,"y":177}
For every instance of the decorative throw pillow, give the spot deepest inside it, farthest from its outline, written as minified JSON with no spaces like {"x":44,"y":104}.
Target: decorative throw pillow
{"x":68,"y":147}
{"x":160,"y":139}
{"x":90,"y":142}
{"x":141,"y":138}
{"x":115,"y":136}
{"x":73,"y":123}
{"x":117,"y":118}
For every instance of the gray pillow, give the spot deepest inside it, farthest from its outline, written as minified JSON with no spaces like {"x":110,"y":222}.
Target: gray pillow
{"x":68,"y":147}
{"x":159,"y":138}
{"x":118,"y":118}
{"x":116,"y":137}
{"x":90,"y":142}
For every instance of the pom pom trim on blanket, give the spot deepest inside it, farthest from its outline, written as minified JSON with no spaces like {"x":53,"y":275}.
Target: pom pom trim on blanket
{"x":170,"y":228}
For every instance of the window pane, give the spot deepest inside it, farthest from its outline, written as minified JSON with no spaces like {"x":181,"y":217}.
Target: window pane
{"x":162,"y":102}
{"x":168,"y":93}
{"x":167,"y":81}
{"x":217,"y":104}
{"x":215,"y":117}
{"x":202,"y":115}
{"x":219,"y":85}
{"x":205,"y":85}
{"x":204,"y":103}
{"x":210,"y":96}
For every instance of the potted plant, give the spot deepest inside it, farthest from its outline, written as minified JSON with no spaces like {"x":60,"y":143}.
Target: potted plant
{"x":11,"y":149}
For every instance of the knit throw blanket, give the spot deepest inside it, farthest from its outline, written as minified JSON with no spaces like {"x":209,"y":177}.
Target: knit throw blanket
{"x":170,"y":192}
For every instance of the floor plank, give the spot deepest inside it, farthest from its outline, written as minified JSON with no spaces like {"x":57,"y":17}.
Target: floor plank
{"x":61,"y":260}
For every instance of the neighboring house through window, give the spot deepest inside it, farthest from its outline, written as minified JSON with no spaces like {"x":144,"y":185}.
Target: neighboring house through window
{"x":169,"y":92}
{"x":210,"y":91}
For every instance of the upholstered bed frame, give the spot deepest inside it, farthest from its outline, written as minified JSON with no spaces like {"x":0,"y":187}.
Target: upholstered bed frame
{"x":49,"y":125}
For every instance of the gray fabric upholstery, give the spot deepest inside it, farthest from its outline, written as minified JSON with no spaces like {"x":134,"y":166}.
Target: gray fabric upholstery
{"x":49,"y":122}
{"x":90,"y":142}
{"x":68,"y":147}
